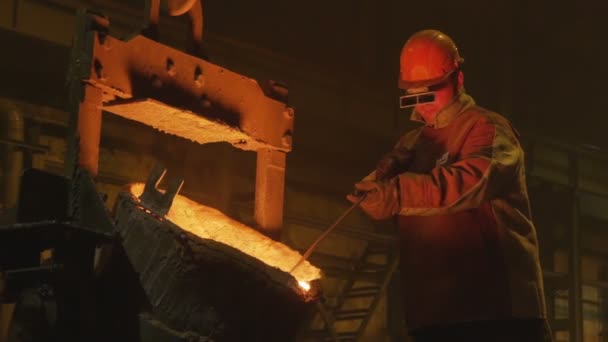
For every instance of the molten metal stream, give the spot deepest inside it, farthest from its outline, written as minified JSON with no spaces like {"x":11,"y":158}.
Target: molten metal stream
{"x":210,"y":223}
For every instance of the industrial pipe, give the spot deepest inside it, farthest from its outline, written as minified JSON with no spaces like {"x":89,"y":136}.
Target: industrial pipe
{"x":13,"y":128}
{"x":12,"y":123}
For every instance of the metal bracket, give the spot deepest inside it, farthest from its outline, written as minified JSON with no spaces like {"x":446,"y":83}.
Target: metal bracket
{"x":180,"y":94}
{"x":155,"y":200}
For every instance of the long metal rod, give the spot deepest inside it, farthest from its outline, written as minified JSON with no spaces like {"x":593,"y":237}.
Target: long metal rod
{"x":24,"y":145}
{"x":325,"y":233}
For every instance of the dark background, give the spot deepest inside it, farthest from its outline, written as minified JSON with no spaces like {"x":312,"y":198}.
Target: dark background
{"x":543,"y":64}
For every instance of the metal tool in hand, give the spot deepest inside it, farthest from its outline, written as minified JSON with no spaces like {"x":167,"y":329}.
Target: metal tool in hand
{"x":329,"y":230}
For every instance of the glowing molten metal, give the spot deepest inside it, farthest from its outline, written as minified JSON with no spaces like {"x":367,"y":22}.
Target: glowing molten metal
{"x":210,"y":223}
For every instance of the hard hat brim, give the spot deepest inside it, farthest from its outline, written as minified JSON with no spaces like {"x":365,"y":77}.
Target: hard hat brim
{"x":405,"y":85}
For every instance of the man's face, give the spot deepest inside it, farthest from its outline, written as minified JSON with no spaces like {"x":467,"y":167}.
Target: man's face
{"x":444,"y":93}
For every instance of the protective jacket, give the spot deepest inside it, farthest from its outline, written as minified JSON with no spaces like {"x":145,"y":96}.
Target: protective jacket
{"x":469,"y":249}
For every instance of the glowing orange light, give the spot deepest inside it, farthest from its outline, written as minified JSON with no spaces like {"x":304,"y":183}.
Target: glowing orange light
{"x":304,"y":285}
{"x":210,"y":223}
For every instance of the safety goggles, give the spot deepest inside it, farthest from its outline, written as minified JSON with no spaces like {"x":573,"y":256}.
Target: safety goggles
{"x":412,"y":100}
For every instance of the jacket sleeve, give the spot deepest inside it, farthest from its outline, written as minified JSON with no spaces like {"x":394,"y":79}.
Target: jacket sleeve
{"x":488,"y":161}
{"x":406,"y":141}
{"x":370,"y":177}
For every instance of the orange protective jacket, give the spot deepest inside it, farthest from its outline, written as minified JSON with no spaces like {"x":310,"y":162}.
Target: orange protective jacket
{"x":469,"y":249}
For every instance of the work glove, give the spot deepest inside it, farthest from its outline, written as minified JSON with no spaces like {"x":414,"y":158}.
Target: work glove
{"x":393,"y":163}
{"x":382,"y":198}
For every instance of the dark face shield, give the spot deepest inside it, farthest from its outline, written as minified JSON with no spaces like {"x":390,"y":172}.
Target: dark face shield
{"x":412,"y":100}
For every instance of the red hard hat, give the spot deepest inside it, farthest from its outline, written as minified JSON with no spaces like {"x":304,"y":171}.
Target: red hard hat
{"x":429,"y":57}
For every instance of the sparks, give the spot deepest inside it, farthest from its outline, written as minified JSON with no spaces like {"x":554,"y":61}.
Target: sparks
{"x":304,"y":285}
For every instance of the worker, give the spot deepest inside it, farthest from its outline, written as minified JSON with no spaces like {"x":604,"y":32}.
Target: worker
{"x":456,"y":185}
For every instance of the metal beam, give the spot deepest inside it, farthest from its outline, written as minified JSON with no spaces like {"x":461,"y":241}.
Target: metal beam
{"x":180,"y":94}
{"x":269,"y":191}
{"x":177,"y":93}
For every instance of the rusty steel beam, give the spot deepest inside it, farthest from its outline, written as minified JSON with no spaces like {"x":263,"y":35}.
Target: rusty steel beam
{"x":84,"y":100}
{"x":143,"y":80}
{"x":269,"y":191}
{"x":89,"y":126}
{"x":180,"y":94}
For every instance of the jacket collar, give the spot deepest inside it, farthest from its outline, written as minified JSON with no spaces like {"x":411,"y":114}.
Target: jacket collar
{"x":461,"y":102}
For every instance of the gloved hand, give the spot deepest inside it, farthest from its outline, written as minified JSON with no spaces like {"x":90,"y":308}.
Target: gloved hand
{"x":382,"y":198}
{"x":393,"y":163}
